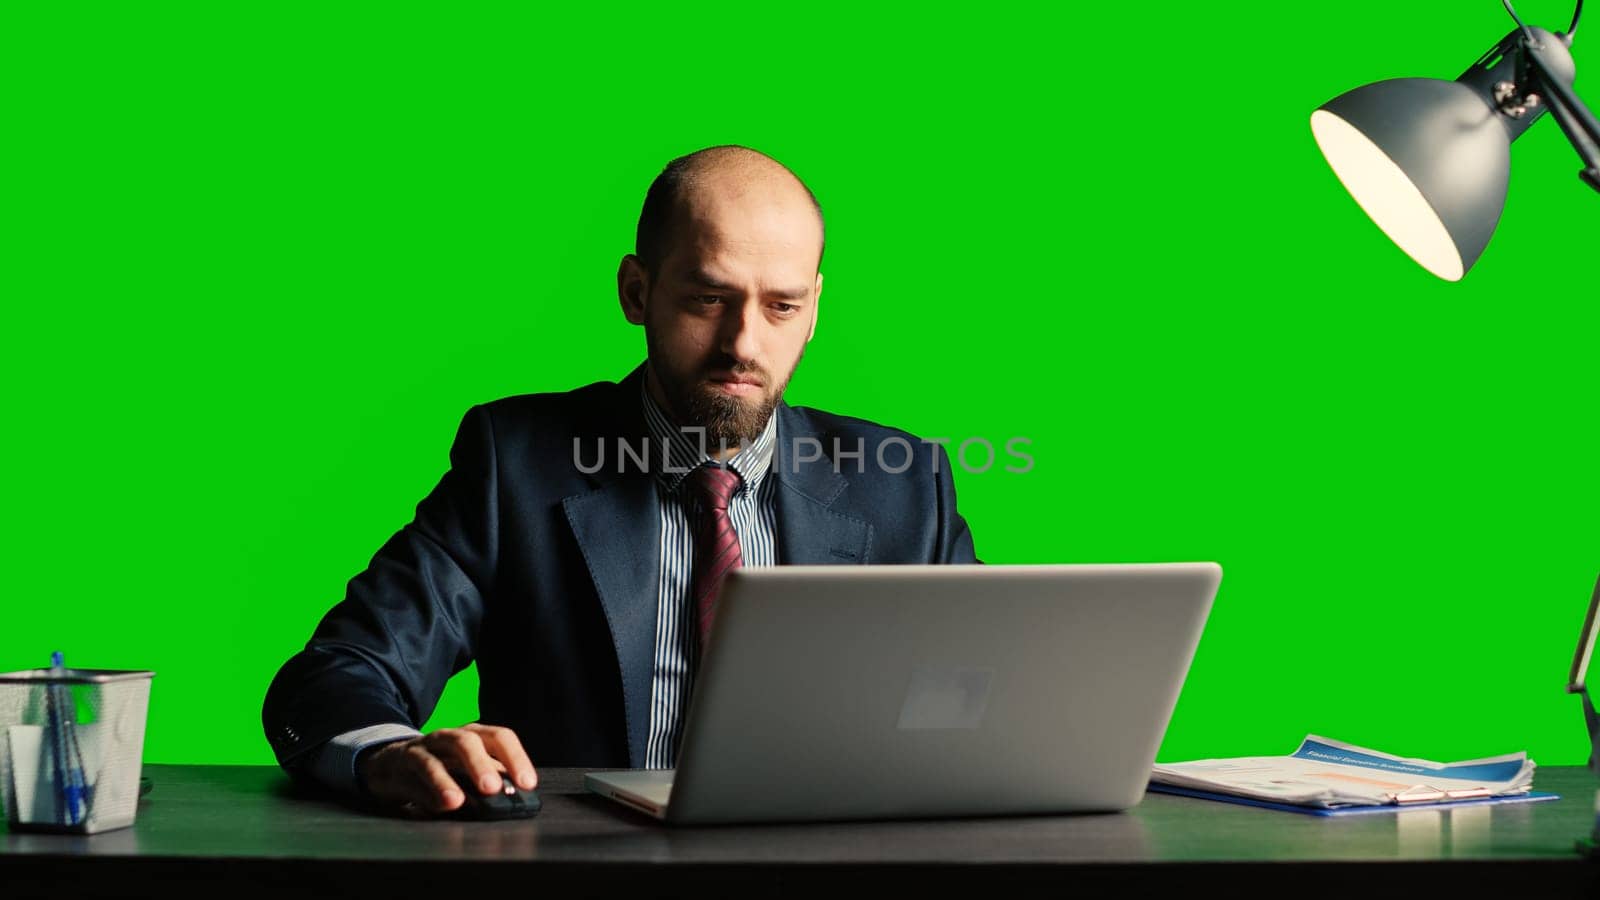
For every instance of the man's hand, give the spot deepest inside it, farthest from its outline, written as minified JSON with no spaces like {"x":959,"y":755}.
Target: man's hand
{"x":415,"y":774}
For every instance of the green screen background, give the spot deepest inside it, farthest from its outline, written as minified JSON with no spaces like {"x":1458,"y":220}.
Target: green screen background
{"x":259,"y":261}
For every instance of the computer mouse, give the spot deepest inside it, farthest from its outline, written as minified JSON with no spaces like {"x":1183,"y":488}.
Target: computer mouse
{"x":510,"y":802}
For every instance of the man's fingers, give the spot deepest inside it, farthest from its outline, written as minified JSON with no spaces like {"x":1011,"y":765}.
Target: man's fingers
{"x":405,"y":774}
{"x":463,"y":750}
{"x":430,"y":781}
{"x":502,"y":744}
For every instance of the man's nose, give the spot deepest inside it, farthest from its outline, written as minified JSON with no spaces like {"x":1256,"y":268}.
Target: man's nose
{"x":741,"y":332}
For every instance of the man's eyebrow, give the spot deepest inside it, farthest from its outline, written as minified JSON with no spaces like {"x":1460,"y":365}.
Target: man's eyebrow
{"x":789,"y":293}
{"x":702,"y":278}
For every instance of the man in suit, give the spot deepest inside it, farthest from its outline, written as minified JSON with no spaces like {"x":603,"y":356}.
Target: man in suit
{"x":575,"y":547}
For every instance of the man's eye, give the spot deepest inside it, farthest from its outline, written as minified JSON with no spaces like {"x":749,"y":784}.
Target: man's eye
{"x":785,"y":308}
{"x":707,"y":300}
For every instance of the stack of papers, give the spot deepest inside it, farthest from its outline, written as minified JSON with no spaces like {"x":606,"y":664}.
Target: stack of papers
{"x":1332,"y":774}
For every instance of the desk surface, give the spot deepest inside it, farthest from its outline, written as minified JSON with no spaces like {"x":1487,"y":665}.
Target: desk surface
{"x":248,"y":825}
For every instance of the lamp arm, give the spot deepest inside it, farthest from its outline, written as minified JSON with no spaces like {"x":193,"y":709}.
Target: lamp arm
{"x":1575,"y":119}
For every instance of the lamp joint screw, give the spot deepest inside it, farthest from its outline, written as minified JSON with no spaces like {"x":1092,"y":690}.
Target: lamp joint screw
{"x":1505,"y":96}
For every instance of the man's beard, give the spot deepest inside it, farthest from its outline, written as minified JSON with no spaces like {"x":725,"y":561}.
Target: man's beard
{"x":728,"y":421}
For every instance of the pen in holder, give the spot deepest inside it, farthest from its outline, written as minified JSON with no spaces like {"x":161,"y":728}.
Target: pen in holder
{"x":71,"y":746}
{"x":66,"y":757}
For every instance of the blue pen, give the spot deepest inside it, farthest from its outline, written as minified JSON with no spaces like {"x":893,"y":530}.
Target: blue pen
{"x":64,"y":743}
{"x":52,"y":736}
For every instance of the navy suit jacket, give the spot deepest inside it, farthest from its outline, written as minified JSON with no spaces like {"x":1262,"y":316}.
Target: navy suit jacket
{"x":547,"y":575}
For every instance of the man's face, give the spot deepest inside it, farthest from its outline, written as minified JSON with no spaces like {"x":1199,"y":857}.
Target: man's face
{"x":728,"y":315}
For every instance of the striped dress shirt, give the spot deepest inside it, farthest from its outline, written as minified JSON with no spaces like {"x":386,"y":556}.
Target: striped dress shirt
{"x":677,"y":651}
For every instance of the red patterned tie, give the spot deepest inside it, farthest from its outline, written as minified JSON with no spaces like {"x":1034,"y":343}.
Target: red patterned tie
{"x":716,"y":546}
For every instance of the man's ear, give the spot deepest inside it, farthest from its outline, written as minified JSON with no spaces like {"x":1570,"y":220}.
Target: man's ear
{"x":633,"y":283}
{"x":816,"y":301}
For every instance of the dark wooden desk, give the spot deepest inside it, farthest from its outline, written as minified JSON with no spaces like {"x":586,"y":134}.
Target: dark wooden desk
{"x":244,"y":831}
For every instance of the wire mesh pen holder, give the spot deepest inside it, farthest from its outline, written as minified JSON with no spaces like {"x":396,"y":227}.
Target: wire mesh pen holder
{"x":71,"y":746}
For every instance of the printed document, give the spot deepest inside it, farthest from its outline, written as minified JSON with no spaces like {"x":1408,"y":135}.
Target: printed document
{"x":1330,"y":774}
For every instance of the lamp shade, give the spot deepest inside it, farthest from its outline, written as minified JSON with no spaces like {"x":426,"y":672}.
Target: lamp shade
{"x":1429,"y":162}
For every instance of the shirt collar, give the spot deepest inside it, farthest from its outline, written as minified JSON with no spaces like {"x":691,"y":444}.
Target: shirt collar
{"x":686,"y":448}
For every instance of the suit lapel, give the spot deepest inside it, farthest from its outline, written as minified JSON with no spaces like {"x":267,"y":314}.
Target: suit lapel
{"x":809,"y":531}
{"x":618,"y":529}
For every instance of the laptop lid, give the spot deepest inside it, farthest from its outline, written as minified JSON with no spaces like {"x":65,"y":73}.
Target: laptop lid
{"x":856,"y":692}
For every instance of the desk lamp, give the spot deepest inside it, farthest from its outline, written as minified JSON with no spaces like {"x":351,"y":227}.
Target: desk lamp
{"x":1429,"y":160}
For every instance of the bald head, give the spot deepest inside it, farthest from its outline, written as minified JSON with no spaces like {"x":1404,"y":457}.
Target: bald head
{"x":683,"y":198}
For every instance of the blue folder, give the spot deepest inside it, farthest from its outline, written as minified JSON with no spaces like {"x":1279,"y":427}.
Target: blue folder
{"x":1379,"y":809}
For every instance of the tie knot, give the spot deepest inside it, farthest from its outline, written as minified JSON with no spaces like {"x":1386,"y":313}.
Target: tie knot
{"x":715,"y":485}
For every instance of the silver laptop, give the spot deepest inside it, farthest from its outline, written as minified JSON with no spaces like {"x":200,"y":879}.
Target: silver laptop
{"x":867,"y":692}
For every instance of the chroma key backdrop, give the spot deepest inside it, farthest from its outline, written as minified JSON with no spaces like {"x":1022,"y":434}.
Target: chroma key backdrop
{"x":258,"y":262}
